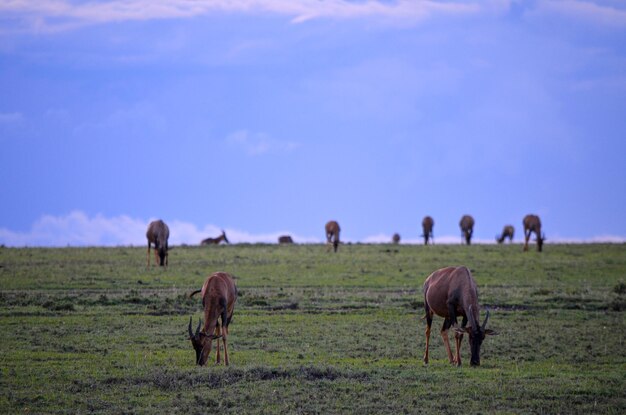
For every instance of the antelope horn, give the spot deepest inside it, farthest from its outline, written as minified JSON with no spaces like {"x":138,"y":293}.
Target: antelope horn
{"x":485,"y":322}
{"x":189,"y":328}
{"x":198,"y":328}
{"x":471,"y":317}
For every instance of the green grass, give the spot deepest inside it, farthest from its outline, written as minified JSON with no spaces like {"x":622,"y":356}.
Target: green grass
{"x":91,"y":330}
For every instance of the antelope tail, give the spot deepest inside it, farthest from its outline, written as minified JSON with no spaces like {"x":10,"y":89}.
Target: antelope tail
{"x":194,"y":293}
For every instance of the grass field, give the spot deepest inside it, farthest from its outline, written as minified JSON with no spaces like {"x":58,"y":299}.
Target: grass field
{"x":91,"y":330}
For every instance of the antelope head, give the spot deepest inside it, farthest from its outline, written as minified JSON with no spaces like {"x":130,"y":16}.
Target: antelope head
{"x":162,"y":250}
{"x":476,"y":336}
{"x":224,"y":236}
{"x":201,"y":343}
{"x":540,"y":240}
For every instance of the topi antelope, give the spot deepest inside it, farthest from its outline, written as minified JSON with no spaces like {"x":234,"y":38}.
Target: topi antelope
{"x":332,"y":233}
{"x":467,"y":228}
{"x":158,"y":233}
{"x":532,"y":223}
{"x":427,"y":229}
{"x":285,"y":239}
{"x":451,"y":292}
{"x":219,"y":295}
{"x":395,"y":238}
{"x":507,"y":232}
{"x":215,"y":241}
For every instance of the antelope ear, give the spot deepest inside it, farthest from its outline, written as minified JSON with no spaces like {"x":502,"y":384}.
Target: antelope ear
{"x":490,"y":332}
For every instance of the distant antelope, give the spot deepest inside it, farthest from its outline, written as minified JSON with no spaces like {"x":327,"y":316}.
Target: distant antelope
{"x":285,"y":239}
{"x":219,"y":295}
{"x":332,"y":233}
{"x":215,"y":241}
{"x":158,"y":233}
{"x":467,"y":228}
{"x":507,"y":232}
{"x":427,"y":229}
{"x":395,"y":238}
{"x":532,"y":223}
{"x":451,"y":292}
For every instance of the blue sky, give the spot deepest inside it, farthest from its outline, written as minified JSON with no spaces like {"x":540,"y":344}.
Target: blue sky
{"x":267,"y":117}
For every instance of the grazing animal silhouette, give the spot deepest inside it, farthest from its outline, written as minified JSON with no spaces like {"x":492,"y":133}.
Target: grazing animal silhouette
{"x":467,"y":228}
{"x":219,"y":295}
{"x":285,"y":239}
{"x":215,"y":241}
{"x":332,"y":234}
{"x":395,"y":238}
{"x":532,"y":223}
{"x":451,"y":292}
{"x":427,"y":229}
{"x":158,"y":233}
{"x":507,"y":232}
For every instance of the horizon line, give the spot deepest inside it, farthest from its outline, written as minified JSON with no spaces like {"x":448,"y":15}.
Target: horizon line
{"x":79,"y":229}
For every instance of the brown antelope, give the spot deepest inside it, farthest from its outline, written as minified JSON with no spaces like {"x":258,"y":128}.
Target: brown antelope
{"x":215,"y":241}
{"x":427,"y":229}
{"x":395,"y":238}
{"x":507,"y":232}
{"x":219,"y":295}
{"x":532,"y":223}
{"x":285,"y":239}
{"x":467,"y":228}
{"x":451,"y":292}
{"x":332,"y":234}
{"x":158,"y":233}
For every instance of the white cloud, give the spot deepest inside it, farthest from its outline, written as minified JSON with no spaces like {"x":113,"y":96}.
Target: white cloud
{"x":255,"y":144}
{"x":55,"y":15}
{"x":613,"y":239}
{"x":78,"y":229}
{"x":597,"y":12}
{"x":60,"y":15}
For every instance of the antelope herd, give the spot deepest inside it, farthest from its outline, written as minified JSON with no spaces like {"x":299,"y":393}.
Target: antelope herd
{"x":449,"y":292}
{"x":158,"y":234}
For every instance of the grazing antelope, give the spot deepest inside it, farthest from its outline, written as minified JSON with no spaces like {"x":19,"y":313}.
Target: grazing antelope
{"x":285,"y":239}
{"x":507,"y":232}
{"x":219,"y":295}
{"x":467,"y":228}
{"x":451,"y":292}
{"x":158,"y":233}
{"x":332,"y":233}
{"x":427,"y":229}
{"x":395,"y":238}
{"x":215,"y":241}
{"x":532,"y":223}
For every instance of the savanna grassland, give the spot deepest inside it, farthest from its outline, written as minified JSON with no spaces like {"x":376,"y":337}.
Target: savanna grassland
{"x":91,"y":330}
